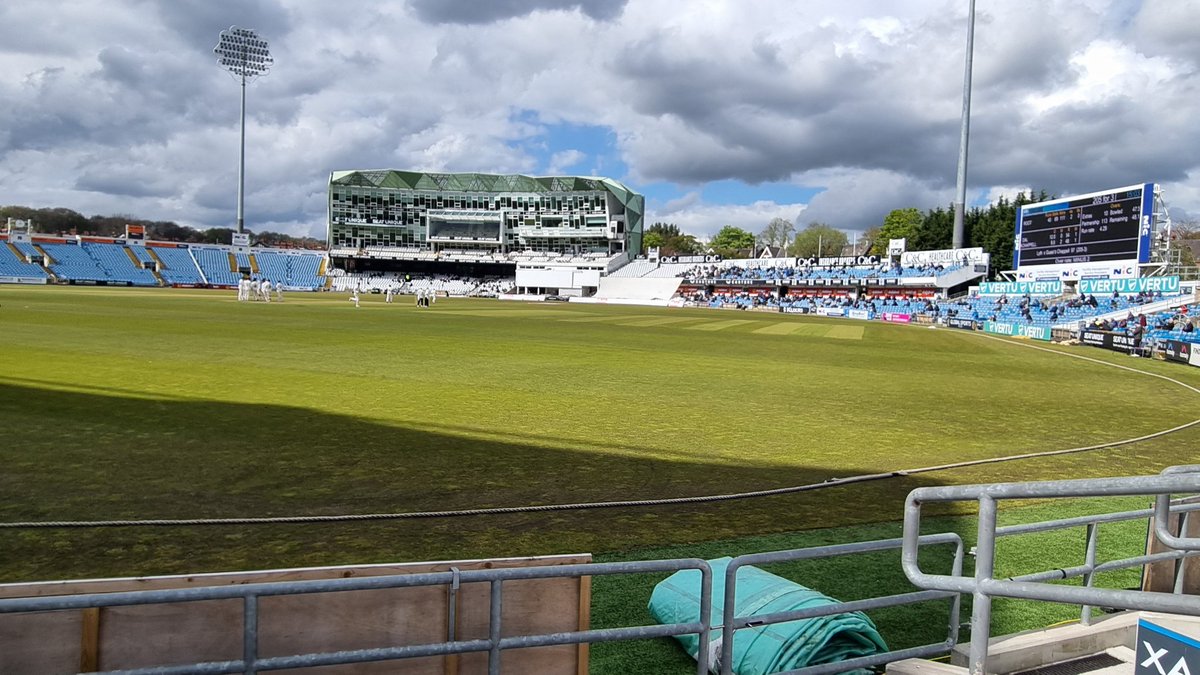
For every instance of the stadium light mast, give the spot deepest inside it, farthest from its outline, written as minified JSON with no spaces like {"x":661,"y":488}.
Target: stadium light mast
{"x":960,"y":199}
{"x":244,"y":54}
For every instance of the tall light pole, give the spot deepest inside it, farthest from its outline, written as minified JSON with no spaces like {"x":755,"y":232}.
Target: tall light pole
{"x":960,"y":199}
{"x":242,"y":52}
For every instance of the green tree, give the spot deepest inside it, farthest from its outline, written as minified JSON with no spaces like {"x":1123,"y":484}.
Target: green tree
{"x":818,"y":239}
{"x":669,"y":239}
{"x":899,"y":224}
{"x":651,"y":240}
{"x":778,"y":232}
{"x":936,"y":231}
{"x":869,"y":236}
{"x":730,"y":240}
{"x":685,"y":244}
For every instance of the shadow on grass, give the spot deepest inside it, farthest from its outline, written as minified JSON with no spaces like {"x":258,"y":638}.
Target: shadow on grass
{"x":92,"y":455}
{"x":97,"y":455}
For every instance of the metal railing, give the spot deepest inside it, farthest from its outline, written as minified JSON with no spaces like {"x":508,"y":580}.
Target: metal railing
{"x":983,"y":586}
{"x":931,"y":587}
{"x":494,"y":644}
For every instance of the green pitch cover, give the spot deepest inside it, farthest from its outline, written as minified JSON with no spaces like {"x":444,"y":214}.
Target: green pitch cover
{"x":765,"y":649}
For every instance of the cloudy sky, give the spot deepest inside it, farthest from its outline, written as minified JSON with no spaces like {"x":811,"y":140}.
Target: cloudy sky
{"x":719,"y":111}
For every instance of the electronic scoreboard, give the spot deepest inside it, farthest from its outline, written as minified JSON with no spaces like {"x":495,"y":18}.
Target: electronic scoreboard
{"x":1094,"y":228}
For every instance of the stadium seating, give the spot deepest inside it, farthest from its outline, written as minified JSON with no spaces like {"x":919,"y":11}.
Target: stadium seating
{"x":635,"y":269}
{"x":1181,"y":324}
{"x":71,"y":262}
{"x":214,"y":262}
{"x":178,"y":266}
{"x":12,"y":265}
{"x":440,"y":283}
{"x":115,"y":261}
{"x":294,"y":271}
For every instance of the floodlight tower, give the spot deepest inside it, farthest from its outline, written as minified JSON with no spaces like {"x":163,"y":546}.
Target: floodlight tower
{"x":244,"y":54}
{"x":960,"y":197}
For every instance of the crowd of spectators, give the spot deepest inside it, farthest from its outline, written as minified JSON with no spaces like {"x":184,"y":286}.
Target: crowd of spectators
{"x":784,"y":273}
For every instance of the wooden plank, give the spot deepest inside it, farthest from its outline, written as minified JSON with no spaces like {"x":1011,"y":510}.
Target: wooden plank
{"x":585,"y":622}
{"x":180,"y":633}
{"x":119,"y":585}
{"x":89,"y":641}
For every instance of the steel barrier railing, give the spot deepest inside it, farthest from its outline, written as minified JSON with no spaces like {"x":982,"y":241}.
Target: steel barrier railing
{"x":1161,"y":504}
{"x":493,"y":645}
{"x":983,"y":586}
{"x":932,"y":587}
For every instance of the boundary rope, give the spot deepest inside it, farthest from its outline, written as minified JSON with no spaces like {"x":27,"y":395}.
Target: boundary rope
{"x":701,"y":499}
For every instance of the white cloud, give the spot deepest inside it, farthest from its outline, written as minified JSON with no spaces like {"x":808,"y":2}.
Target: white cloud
{"x":563,"y":161}
{"x":860,"y":99}
{"x":704,"y":220}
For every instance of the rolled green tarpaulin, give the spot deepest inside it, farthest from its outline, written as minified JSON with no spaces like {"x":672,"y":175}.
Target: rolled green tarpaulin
{"x":765,"y":649}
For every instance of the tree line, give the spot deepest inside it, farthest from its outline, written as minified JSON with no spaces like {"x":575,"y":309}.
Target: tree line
{"x":991,"y":228}
{"x":61,"y":221}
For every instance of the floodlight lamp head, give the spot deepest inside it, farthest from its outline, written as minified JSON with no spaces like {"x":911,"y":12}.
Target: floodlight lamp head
{"x":242,"y":52}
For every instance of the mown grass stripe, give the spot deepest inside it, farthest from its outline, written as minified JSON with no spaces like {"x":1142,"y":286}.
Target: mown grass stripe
{"x":663,"y":321}
{"x":845,"y":332}
{"x":787,"y":328}
{"x":711,"y":326}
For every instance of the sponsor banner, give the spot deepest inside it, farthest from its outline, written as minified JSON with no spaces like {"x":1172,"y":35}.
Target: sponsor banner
{"x":795,"y":310}
{"x":241,"y":238}
{"x":894,"y":317}
{"x":1167,"y":285}
{"x":1195,"y":358}
{"x":1121,"y":269}
{"x":897,"y":246}
{"x":1118,"y":342}
{"x":859,"y":314}
{"x":676,"y":302}
{"x":1161,"y":650}
{"x":717,"y":281}
{"x":135,"y":231}
{"x":690,"y":259}
{"x":891,"y":282}
{"x":952,"y":256}
{"x":839,"y":261}
{"x":1017,"y":330}
{"x":830,"y":311}
{"x":521,"y":298}
{"x":964,"y":324}
{"x":24,"y":280}
{"x":1179,"y":352}
{"x":1021,"y":287}
{"x":765,"y":308}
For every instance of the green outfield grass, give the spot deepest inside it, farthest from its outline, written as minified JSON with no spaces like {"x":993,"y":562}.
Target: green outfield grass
{"x":121,"y":403}
{"x":126,"y":403}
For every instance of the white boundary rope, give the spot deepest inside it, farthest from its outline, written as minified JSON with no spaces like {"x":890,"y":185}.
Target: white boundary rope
{"x":702,"y":499}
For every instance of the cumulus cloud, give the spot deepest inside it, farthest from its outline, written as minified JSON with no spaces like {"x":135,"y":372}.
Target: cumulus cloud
{"x":122,"y":108}
{"x":561,"y":162}
{"x":473,"y":12}
{"x":702,"y":219}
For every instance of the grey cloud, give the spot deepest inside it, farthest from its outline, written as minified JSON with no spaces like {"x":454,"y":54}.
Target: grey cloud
{"x":475,"y":12}
{"x":860,"y":200}
{"x":123,"y":183}
{"x":200,"y":22}
{"x":1168,"y":27}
